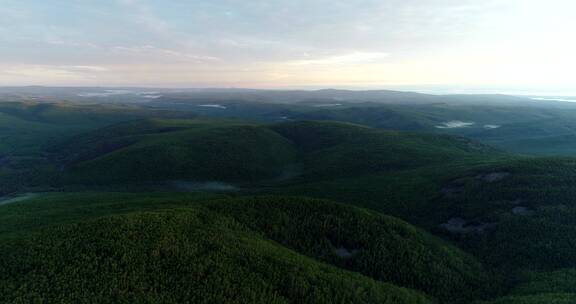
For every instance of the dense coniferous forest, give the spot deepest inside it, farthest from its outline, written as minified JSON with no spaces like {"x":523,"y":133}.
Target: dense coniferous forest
{"x":286,"y":197}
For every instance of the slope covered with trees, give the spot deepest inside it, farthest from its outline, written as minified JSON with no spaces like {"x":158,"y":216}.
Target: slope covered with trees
{"x":174,"y":257}
{"x":265,"y":249}
{"x":174,"y":150}
{"x":443,"y":218}
{"x":208,"y":150}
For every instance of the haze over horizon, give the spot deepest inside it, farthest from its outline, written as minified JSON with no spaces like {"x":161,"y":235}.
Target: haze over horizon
{"x":432,"y":46}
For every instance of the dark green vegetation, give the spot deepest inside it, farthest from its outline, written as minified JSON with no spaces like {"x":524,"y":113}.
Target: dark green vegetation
{"x":547,"y":287}
{"x":516,"y":124}
{"x":170,"y":201}
{"x":179,"y":247}
{"x":522,"y":129}
{"x":28,"y":128}
{"x":160,"y":150}
{"x":155,"y":150}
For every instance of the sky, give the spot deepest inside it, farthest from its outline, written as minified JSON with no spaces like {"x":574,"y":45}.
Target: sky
{"x":475,"y":45}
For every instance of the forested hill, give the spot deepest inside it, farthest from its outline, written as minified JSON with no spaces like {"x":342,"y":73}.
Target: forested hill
{"x":228,"y":151}
{"x":174,"y":249}
{"x":123,"y":203}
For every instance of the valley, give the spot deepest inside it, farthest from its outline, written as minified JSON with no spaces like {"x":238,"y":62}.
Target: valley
{"x":286,"y":197}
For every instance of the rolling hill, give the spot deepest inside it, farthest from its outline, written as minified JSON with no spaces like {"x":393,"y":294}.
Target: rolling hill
{"x":212,"y":207}
{"x":166,"y":248}
{"x":158,"y":150}
{"x":516,"y":124}
{"x":26,"y":128}
{"x":208,"y":151}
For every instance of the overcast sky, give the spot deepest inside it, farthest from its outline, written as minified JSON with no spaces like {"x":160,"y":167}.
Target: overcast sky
{"x":289,"y":43}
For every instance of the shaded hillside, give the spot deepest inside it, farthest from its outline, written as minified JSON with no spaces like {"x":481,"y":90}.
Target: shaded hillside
{"x":177,"y":150}
{"x":511,"y":216}
{"x":223,"y":242}
{"x":514,"y":215}
{"x":517,"y":124}
{"x":204,"y":150}
{"x":174,"y":257}
{"x":26,"y":128}
{"x":333,"y":150}
{"x":362,"y":241}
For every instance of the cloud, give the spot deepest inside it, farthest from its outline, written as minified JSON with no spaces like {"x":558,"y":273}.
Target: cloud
{"x":12,"y":15}
{"x":466,"y":42}
{"x":145,"y":16}
{"x":84,"y":68}
{"x":67,"y":43}
{"x":53,"y":72}
{"x":153,"y":51}
{"x":344,"y":59}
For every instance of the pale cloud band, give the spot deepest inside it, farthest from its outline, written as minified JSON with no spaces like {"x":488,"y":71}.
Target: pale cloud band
{"x":268,"y":43}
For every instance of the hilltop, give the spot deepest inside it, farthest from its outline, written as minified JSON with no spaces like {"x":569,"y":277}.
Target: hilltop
{"x":228,"y":151}
{"x":220,"y":238}
{"x":390,"y":204}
